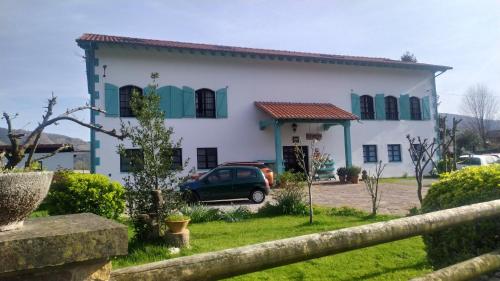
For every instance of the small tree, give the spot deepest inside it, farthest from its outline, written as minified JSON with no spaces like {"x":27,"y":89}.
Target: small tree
{"x":20,"y":143}
{"x":421,"y":153}
{"x":447,"y":138}
{"x":153,"y":177}
{"x":408,"y":57}
{"x":371,"y":184}
{"x":317,"y":161}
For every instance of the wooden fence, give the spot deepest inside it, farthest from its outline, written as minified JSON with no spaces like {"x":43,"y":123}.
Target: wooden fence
{"x":241,"y":260}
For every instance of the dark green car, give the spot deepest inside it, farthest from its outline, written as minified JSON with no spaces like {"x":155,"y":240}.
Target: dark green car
{"x":229,"y":182}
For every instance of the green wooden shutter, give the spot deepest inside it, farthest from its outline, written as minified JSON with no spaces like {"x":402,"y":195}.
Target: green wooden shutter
{"x":404,"y":107}
{"x":177,"y":105}
{"x":355,"y":106}
{"x":111,"y":100}
{"x":221,"y":103}
{"x":379,"y":107}
{"x":165,"y":100}
{"x":426,"y":108}
{"x":189,"y":103}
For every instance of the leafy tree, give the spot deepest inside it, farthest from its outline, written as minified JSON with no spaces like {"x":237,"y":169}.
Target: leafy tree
{"x":408,"y":57}
{"x":153,"y":178}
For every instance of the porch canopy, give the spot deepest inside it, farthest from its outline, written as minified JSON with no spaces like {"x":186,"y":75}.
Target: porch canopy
{"x":291,"y":112}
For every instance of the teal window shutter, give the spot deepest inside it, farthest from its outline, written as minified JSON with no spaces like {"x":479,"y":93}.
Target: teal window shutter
{"x":221,"y":103}
{"x":426,"y":108}
{"x":111,"y":100}
{"x":404,"y":107}
{"x":355,"y":106}
{"x":165,"y":100}
{"x":189,"y":103}
{"x":177,"y":105}
{"x":379,"y":107}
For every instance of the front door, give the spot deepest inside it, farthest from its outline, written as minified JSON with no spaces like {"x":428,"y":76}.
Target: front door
{"x":290,"y":158}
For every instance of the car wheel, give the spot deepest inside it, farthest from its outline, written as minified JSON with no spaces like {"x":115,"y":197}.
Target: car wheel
{"x":257,"y":196}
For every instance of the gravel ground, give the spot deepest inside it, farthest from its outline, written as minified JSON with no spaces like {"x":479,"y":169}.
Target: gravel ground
{"x":398,"y":196}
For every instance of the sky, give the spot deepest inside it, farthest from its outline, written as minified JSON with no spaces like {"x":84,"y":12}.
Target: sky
{"x":39,"y":56}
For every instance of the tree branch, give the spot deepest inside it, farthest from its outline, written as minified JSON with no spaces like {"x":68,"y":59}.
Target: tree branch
{"x":63,"y":147}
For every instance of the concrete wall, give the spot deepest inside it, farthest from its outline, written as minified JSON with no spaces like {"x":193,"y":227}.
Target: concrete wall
{"x":61,"y":160}
{"x":248,"y":80}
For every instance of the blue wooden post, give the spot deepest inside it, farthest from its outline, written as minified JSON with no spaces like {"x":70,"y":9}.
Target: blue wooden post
{"x":347,"y":143}
{"x":278,"y":148}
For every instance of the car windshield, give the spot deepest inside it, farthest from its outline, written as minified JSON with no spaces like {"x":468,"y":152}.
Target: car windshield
{"x":470,"y":161}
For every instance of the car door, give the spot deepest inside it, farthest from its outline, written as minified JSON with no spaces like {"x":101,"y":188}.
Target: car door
{"x":245,"y":181}
{"x":218,"y":184}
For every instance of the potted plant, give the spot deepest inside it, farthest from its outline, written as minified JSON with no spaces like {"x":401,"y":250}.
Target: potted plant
{"x":20,"y":194}
{"x":353,"y":174}
{"x":177,"y":223}
{"x":342,"y":173}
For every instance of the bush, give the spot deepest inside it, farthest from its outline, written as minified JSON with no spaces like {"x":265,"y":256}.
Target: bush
{"x":72,"y":193}
{"x":345,"y":211}
{"x":238,"y":214}
{"x":201,"y":213}
{"x":290,"y":200}
{"x":353,"y":172}
{"x":467,"y":186}
{"x":444,"y":166}
{"x":288,"y":178}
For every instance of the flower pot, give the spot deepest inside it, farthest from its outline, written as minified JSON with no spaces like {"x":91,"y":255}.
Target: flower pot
{"x":177,"y":226}
{"x":355,"y":179}
{"x":20,"y":194}
{"x":342,"y":179}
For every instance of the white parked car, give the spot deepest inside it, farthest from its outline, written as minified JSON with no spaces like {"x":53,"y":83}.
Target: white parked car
{"x":497,"y":156}
{"x":475,"y":160}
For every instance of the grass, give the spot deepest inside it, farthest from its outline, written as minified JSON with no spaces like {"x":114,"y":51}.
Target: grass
{"x":410,"y":181}
{"x":392,"y":261}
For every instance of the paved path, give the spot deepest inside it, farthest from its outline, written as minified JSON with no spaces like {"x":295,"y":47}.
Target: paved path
{"x":396,"y":199}
{"x":398,"y":196}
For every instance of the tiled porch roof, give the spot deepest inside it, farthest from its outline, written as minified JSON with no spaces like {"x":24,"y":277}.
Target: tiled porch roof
{"x":307,"y":111}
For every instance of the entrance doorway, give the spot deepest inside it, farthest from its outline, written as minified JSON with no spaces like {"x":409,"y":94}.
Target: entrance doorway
{"x":290,"y":158}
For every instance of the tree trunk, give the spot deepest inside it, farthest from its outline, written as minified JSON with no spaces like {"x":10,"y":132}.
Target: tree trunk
{"x":310,"y":205}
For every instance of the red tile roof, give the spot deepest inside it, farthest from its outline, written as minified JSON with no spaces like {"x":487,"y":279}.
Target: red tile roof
{"x":310,"y":111}
{"x":257,"y":53}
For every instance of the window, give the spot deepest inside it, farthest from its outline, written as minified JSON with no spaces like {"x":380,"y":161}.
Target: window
{"x":132,"y":160}
{"x":125,"y":99}
{"x":394,"y":151}
{"x":205,"y":103}
{"x":246,"y":174}
{"x":369,"y":153}
{"x":175,"y":158}
{"x":222,"y":175}
{"x":391,"y":108}
{"x":415,"y":111}
{"x":417,"y":151}
{"x":366,"y":103}
{"x":207,"y":158}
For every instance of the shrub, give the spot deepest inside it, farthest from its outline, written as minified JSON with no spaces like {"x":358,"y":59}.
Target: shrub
{"x":80,"y":193}
{"x":444,"y":166}
{"x":288,"y":178}
{"x":177,"y":217}
{"x":342,"y":171}
{"x":345,"y":211}
{"x":237,"y":214}
{"x":289,"y":201}
{"x":201,"y":213}
{"x":467,"y":186}
{"x":353,"y":172}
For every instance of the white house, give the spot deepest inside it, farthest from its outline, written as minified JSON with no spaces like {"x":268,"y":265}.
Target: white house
{"x":244,"y":104}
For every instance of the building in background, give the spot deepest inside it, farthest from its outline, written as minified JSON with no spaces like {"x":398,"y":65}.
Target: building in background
{"x":67,"y":158}
{"x":245,"y":104}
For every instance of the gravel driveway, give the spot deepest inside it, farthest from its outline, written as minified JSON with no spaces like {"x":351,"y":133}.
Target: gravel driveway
{"x":398,"y":196}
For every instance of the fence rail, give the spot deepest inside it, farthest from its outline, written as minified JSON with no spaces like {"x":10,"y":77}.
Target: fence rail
{"x":241,"y":260}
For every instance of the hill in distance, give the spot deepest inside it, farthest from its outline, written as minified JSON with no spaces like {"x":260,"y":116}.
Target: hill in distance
{"x":48,"y":138}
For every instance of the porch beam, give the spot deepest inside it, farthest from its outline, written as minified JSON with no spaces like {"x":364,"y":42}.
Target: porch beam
{"x":347,"y":143}
{"x":278,"y":147}
{"x":263,"y":124}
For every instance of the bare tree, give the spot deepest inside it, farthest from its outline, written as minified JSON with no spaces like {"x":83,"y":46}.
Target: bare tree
{"x":318,"y":159}
{"x":20,"y":143}
{"x":421,"y":153}
{"x":371,"y":184}
{"x":447,"y":138}
{"x":480,"y":103}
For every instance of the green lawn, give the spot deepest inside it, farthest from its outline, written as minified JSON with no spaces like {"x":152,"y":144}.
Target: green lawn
{"x":410,"y":181}
{"x":392,"y":261}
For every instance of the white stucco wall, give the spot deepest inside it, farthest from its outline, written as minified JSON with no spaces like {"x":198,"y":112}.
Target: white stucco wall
{"x":238,"y":138}
{"x":61,"y":160}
